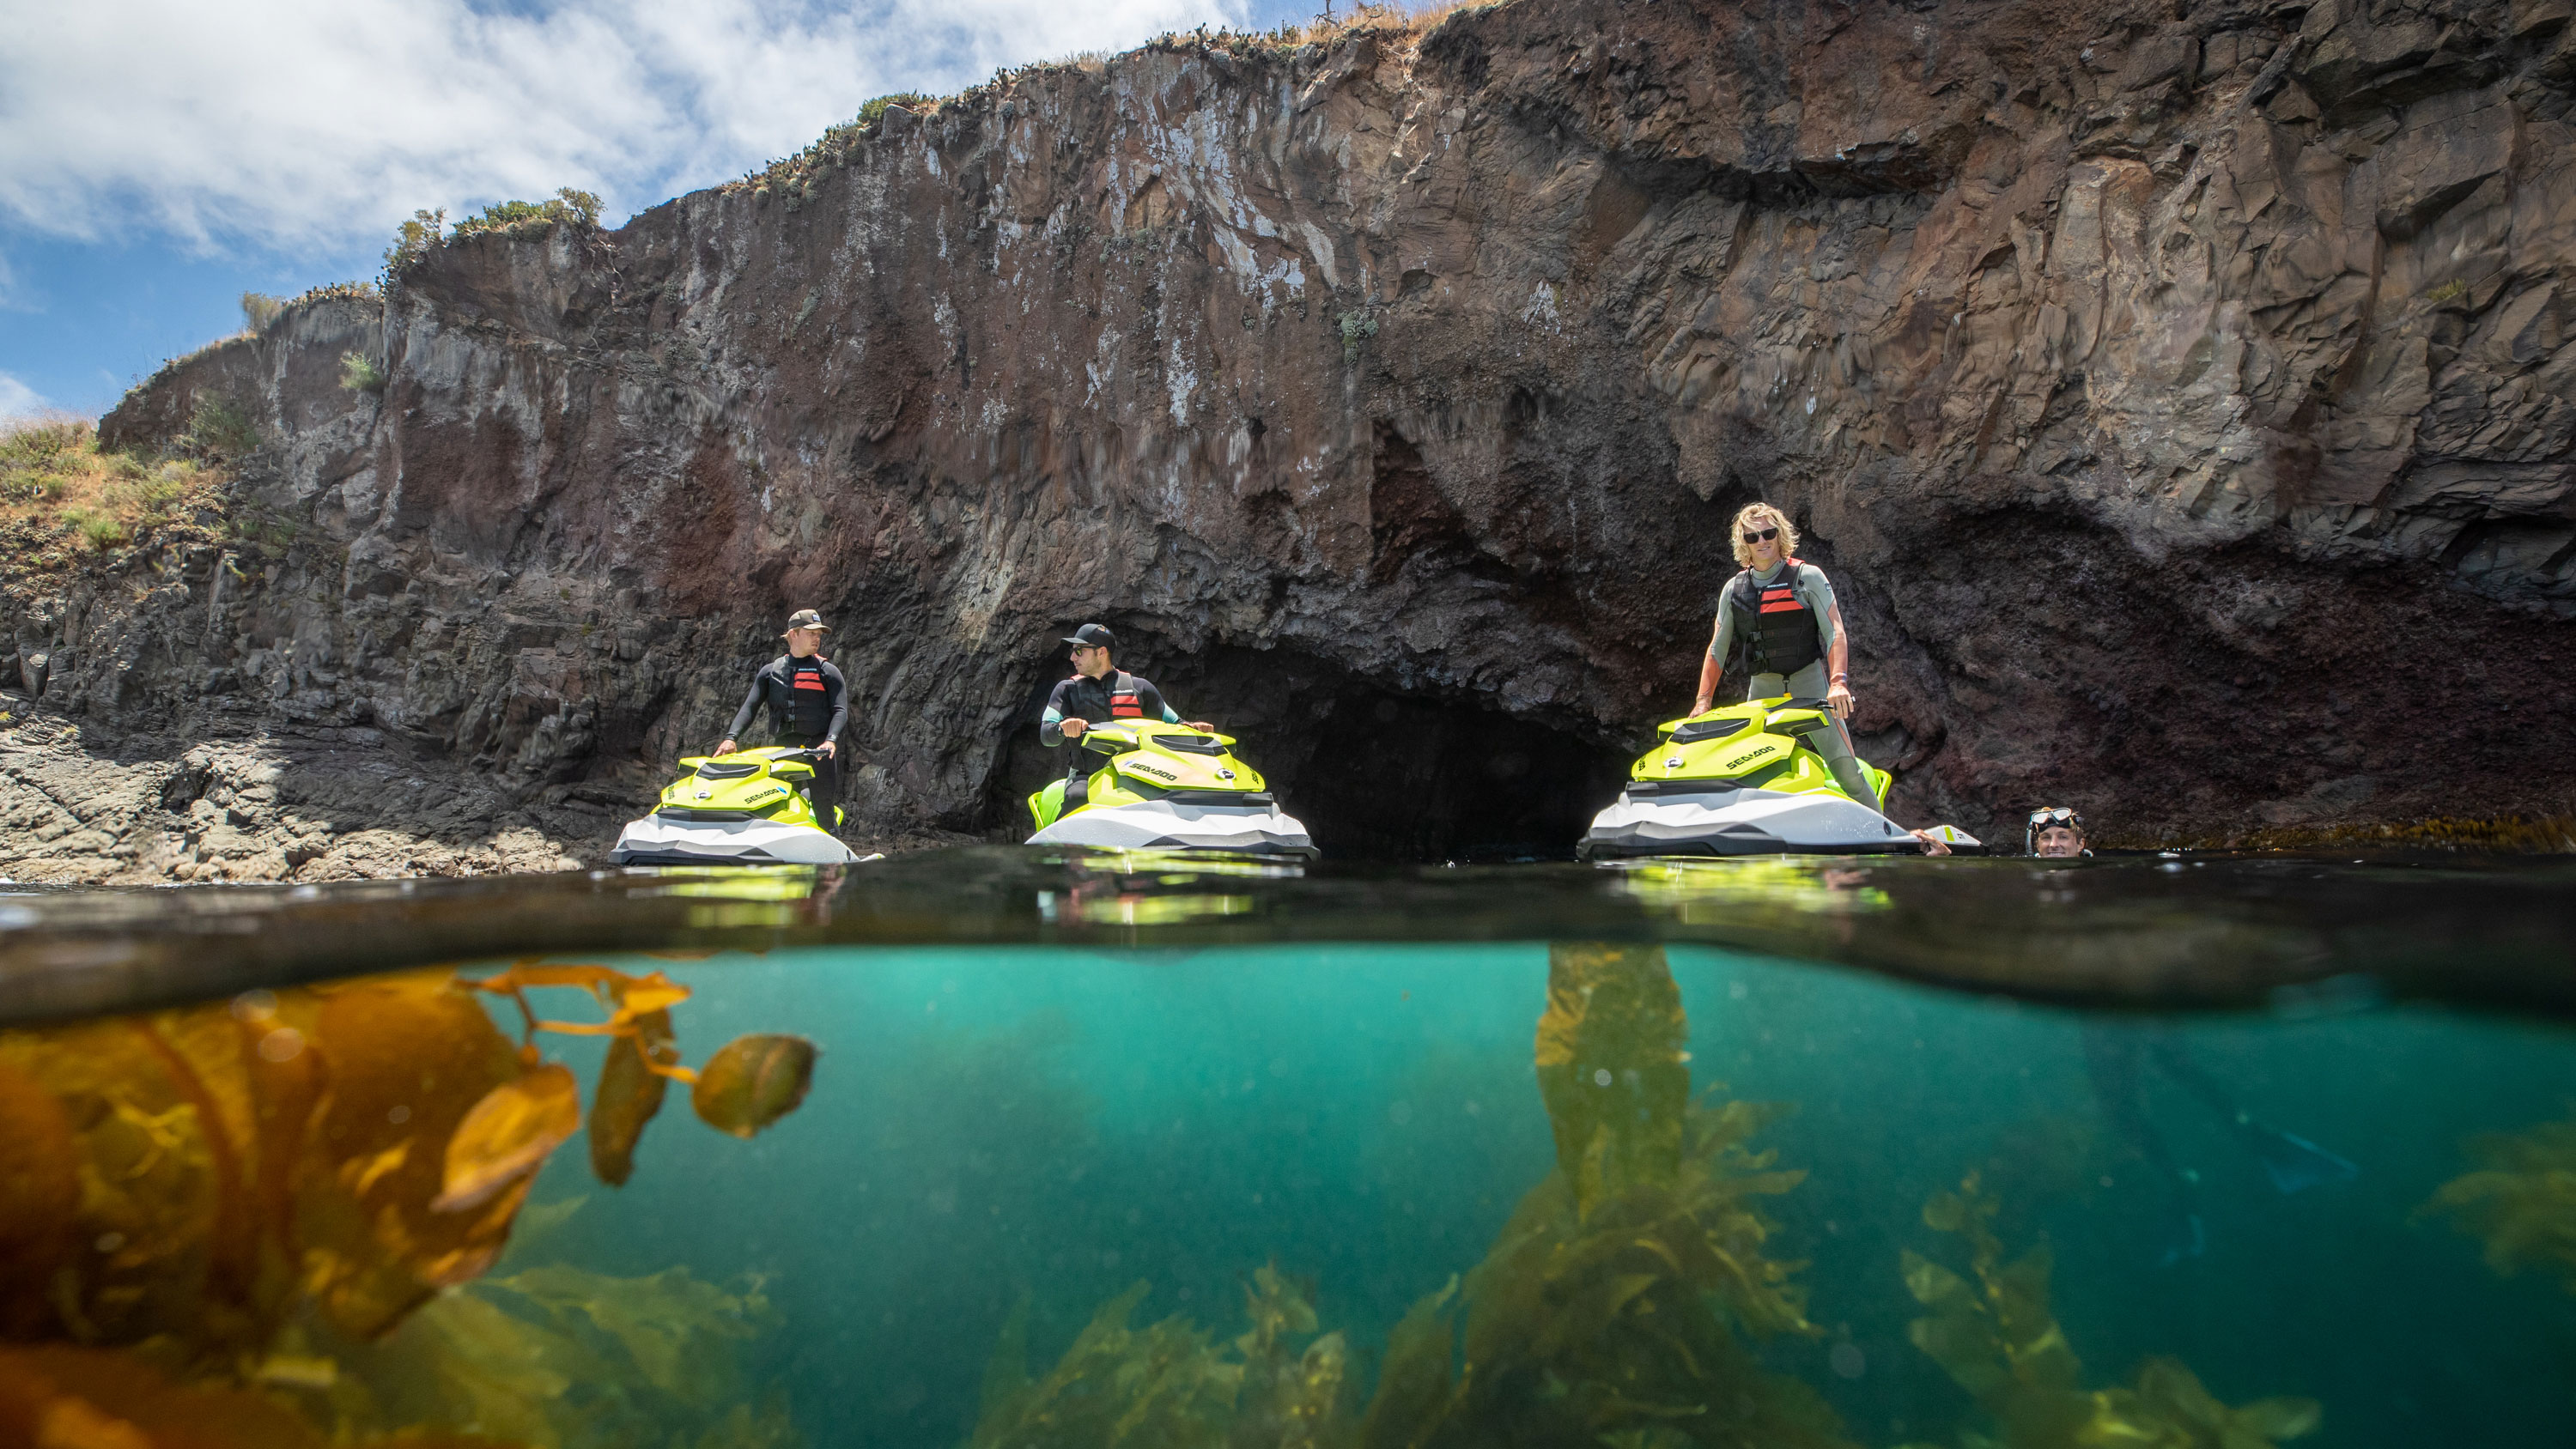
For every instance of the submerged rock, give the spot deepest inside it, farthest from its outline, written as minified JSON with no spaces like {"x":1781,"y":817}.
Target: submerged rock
{"x":2181,"y":406}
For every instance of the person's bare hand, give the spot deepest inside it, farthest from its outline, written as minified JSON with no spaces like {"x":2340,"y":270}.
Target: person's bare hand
{"x":1838,"y":698}
{"x":1700,"y":705}
{"x":726,"y":748}
{"x":827,"y":749}
{"x":1202,"y":726}
{"x":1932,"y":844}
{"x":1074,"y":727}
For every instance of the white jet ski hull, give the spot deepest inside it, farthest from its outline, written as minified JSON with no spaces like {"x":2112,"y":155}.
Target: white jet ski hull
{"x":1177,"y":825}
{"x":658,"y":840}
{"x":1741,"y":822}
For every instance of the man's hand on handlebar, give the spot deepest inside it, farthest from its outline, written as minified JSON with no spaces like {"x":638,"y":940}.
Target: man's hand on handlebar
{"x":1202,"y":726}
{"x":827,"y":749}
{"x":726,"y":748}
{"x":1073,"y":726}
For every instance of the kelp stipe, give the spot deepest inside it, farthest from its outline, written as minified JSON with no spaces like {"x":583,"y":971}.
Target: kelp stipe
{"x":2521,"y":1202}
{"x":1609,"y":1308}
{"x":1999,"y":1339}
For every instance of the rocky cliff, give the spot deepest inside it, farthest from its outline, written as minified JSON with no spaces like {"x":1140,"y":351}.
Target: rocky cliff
{"x":2178,"y":395}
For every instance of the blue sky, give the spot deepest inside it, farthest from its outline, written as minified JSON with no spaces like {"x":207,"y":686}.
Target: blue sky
{"x":158,"y":158}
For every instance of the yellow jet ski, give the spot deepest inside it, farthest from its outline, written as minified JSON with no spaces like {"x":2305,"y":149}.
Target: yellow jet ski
{"x":1165,"y":787}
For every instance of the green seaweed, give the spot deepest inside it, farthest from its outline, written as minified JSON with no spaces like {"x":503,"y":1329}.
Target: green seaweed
{"x":564,"y":1357}
{"x":1170,"y":1384}
{"x":1998,"y":1338}
{"x":1619,"y":1318}
{"x":1613,"y":1309}
{"x":2521,"y":1202}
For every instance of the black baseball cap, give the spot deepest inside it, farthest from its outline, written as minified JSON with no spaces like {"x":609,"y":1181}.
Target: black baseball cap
{"x":1094,"y":636}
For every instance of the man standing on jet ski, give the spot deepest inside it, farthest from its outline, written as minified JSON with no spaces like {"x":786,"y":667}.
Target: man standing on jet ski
{"x":1097,"y":693}
{"x":1779,"y":620}
{"x":808,"y":703}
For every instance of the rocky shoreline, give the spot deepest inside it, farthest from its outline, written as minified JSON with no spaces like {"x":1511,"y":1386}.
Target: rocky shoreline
{"x":79,"y":809}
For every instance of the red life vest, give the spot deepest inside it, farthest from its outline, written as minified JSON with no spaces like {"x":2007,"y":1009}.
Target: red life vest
{"x":1775,"y":631}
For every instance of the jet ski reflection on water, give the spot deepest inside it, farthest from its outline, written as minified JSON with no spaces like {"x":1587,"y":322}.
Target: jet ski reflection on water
{"x":1165,"y":787}
{"x":1742,"y":780}
{"x":739,"y":809}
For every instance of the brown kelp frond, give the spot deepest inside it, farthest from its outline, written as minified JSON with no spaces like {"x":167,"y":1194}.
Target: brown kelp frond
{"x":752,"y":1082}
{"x":248,"y":1193}
{"x":2521,"y":1202}
{"x":1998,"y":1338}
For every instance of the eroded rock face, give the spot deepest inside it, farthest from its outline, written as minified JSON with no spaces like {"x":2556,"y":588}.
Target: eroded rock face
{"x":2181,"y":405}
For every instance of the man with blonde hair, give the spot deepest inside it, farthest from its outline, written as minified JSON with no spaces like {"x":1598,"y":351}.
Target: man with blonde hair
{"x":1778,"y":621}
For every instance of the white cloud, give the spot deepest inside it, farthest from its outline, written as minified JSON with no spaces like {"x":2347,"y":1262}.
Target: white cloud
{"x":295,"y":123}
{"x":17,"y":400}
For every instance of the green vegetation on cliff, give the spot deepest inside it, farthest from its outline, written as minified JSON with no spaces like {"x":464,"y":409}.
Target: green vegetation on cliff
{"x":61,"y":495}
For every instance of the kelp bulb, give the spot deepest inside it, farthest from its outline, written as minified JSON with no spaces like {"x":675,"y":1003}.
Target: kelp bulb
{"x":753,"y":1081}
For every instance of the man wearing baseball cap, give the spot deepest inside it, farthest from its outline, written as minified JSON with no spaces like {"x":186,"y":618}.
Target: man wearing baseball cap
{"x":1098,"y":692}
{"x":807,"y":705}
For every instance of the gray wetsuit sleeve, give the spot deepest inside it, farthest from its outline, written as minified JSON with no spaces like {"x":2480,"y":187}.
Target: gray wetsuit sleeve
{"x":1725,"y":626}
{"x":1051,"y":724}
{"x":1817,"y":592}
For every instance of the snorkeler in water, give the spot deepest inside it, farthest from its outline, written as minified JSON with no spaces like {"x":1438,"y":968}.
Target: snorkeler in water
{"x":2116,"y":1058}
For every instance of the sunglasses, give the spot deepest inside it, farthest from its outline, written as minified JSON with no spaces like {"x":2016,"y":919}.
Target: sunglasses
{"x":1765,"y":536}
{"x":1084,"y":648}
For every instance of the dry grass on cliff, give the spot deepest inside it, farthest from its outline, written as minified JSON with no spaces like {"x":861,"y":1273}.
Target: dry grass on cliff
{"x":61,"y":497}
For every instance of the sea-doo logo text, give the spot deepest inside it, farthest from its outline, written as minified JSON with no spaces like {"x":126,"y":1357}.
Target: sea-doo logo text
{"x":1749,"y":756}
{"x":1161,"y":774}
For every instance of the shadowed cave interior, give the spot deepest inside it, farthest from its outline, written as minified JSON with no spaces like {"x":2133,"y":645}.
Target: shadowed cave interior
{"x":1375,"y":773}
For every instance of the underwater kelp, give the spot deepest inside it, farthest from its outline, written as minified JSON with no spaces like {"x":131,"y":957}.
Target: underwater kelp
{"x":59,"y":1396}
{"x":2521,"y":1202}
{"x":561,"y":1358}
{"x":1613,"y":1309}
{"x":242,"y":1191}
{"x":1169,"y":1385}
{"x":234,"y":1163}
{"x":1614,"y":1306}
{"x":1999,"y":1339}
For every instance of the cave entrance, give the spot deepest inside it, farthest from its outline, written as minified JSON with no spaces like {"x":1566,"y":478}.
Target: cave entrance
{"x":1375,"y":773}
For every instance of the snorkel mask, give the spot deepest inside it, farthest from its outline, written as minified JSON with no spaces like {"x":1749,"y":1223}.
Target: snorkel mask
{"x":2054,"y":817}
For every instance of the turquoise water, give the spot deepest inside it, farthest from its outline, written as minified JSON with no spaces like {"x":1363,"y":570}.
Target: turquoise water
{"x":2240,"y":1103}
{"x":988,"y":1123}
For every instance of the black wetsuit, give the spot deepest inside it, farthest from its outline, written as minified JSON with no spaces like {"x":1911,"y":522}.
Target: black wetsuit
{"x":807,"y":703}
{"x":1115,"y":695}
